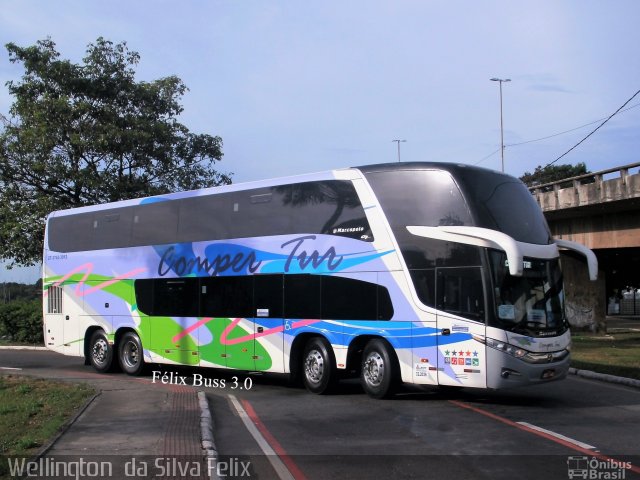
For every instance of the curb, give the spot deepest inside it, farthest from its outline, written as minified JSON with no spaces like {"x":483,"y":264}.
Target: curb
{"x":206,"y":433}
{"x":603,"y":377}
{"x":22,"y":347}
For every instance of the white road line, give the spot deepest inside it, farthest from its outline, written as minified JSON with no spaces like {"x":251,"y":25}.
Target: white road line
{"x":558,"y":435}
{"x":10,"y":368}
{"x":281,"y":470}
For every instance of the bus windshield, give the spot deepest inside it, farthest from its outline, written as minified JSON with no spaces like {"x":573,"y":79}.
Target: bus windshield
{"x":532,"y":304}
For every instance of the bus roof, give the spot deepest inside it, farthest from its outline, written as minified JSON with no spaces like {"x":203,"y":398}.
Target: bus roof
{"x":455,"y":169}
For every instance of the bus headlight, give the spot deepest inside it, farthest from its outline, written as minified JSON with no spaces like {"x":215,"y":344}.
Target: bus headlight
{"x":506,"y":347}
{"x":525,"y":355}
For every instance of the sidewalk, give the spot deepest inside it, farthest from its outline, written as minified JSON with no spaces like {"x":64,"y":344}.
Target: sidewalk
{"x":619,"y":323}
{"x":140,"y":428}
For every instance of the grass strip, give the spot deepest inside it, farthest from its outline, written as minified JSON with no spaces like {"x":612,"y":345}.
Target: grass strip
{"x":32,"y":411}
{"x":616,"y":354}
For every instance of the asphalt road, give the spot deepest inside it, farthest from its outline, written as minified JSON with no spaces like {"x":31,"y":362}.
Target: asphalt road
{"x":576,"y":426}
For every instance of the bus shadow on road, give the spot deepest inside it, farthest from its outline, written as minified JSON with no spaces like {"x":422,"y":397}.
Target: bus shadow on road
{"x":520,"y":397}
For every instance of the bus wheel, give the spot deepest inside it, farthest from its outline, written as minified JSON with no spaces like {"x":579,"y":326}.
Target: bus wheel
{"x":380,"y":373}
{"x":100,"y":352}
{"x":130,"y":354}
{"x":318,"y":366}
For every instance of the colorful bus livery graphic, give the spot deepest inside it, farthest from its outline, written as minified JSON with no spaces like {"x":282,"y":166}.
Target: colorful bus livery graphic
{"x":418,"y":273}
{"x":237,"y":259}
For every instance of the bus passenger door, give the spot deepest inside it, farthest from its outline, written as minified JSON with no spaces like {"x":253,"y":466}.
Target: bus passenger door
{"x":460,"y":316}
{"x":246,"y":330}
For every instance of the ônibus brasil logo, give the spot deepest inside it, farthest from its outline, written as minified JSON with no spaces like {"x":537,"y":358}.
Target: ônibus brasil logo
{"x":593,"y":468}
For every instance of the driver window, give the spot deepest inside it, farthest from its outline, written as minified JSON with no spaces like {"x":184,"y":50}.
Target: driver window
{"x":460,"y":291}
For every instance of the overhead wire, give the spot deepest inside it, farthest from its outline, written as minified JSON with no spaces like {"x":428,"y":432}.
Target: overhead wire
{"x":563,"y":132}
{"x":566,"y":131}
{"x":487,"y":157}
{"x":594,"y":130}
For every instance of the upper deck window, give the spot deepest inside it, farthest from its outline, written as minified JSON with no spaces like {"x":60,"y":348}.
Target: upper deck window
{"x":478,"y":197}
{"x":330,"y":207}
{"x":419,"y":197}
{"x":504,"y":203}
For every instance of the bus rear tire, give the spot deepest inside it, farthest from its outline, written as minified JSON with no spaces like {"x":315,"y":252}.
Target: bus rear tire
{"x":130,"y":354}
{"x":379,"y":374}
{"x":318,"y":366}
{"x":100,"y":352}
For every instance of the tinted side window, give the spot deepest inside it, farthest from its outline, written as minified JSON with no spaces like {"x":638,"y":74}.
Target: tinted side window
{"x":307,"y":296}
{"x":420,"y":252}
{"x":419,"y":197}
{"x":385,"y":306}
{"x":230,"y":297}
{"x":461,"y":292}
{"x":329,"y":207}
{"x":176,"y":297}
{"x":425,"y":283}
{"x":144,"y":295}
{"x":155,"y":223}
{"x":167,"y":297}
{"x":268,"y":296}
{"x":302,"y":296}
{"x":112,"y":228}
{"x":346,"y":298}
{"x":504,"y":203}
{"x":71,"y":233}
{"x":204,"y":218}
{"x":326,"y":207}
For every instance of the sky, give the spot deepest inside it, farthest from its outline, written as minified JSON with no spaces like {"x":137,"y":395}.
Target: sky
{"x":299,"y":87}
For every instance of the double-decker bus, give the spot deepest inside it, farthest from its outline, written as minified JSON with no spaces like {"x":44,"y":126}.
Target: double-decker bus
{"x":422,"y":273}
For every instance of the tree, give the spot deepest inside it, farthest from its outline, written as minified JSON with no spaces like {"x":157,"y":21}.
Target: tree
{"x":552,"y":173}
{"x":89,"y":133}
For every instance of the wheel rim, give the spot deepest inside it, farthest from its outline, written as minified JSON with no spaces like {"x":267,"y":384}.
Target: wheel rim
{"x":314,"y":366}
{"x":130,"y":354}
{"x":374,"y":369}
{"x":100,"y":351}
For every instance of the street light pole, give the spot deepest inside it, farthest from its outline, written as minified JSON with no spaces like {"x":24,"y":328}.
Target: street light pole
{"x":398,"y":142}
{"x":500,"y":80}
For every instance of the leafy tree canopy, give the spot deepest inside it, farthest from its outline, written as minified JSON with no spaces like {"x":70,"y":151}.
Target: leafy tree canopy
{"x":89,"y":133}
{"x":552,"y":173}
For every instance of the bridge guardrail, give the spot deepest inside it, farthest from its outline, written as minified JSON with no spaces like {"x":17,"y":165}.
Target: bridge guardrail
{"x":589,"y":189}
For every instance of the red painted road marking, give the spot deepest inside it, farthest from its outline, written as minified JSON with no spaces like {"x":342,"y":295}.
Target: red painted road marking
{"x":280,"y":451}
{"x":525,"y":428}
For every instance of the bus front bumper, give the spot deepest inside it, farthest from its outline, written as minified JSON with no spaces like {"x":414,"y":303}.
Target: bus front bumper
{"x":508,"y":371}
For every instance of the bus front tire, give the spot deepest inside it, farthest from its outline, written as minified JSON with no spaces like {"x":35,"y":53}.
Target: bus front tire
{"x":379,"y":374}
{"x":130,"y":354}
{"x":100,"y":352}
{"x":318,"y":366}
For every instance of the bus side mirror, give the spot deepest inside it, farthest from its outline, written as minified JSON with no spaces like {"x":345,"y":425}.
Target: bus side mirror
{"x":592,"y":260}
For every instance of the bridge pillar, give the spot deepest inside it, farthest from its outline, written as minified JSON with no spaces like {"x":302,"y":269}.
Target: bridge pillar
{"x":584,"y":300}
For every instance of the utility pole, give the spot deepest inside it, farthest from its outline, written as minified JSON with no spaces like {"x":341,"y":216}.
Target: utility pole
{"x":501,"y":81}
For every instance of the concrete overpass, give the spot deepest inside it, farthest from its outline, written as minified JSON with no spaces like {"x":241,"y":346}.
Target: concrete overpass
{"x":602,"y":211}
